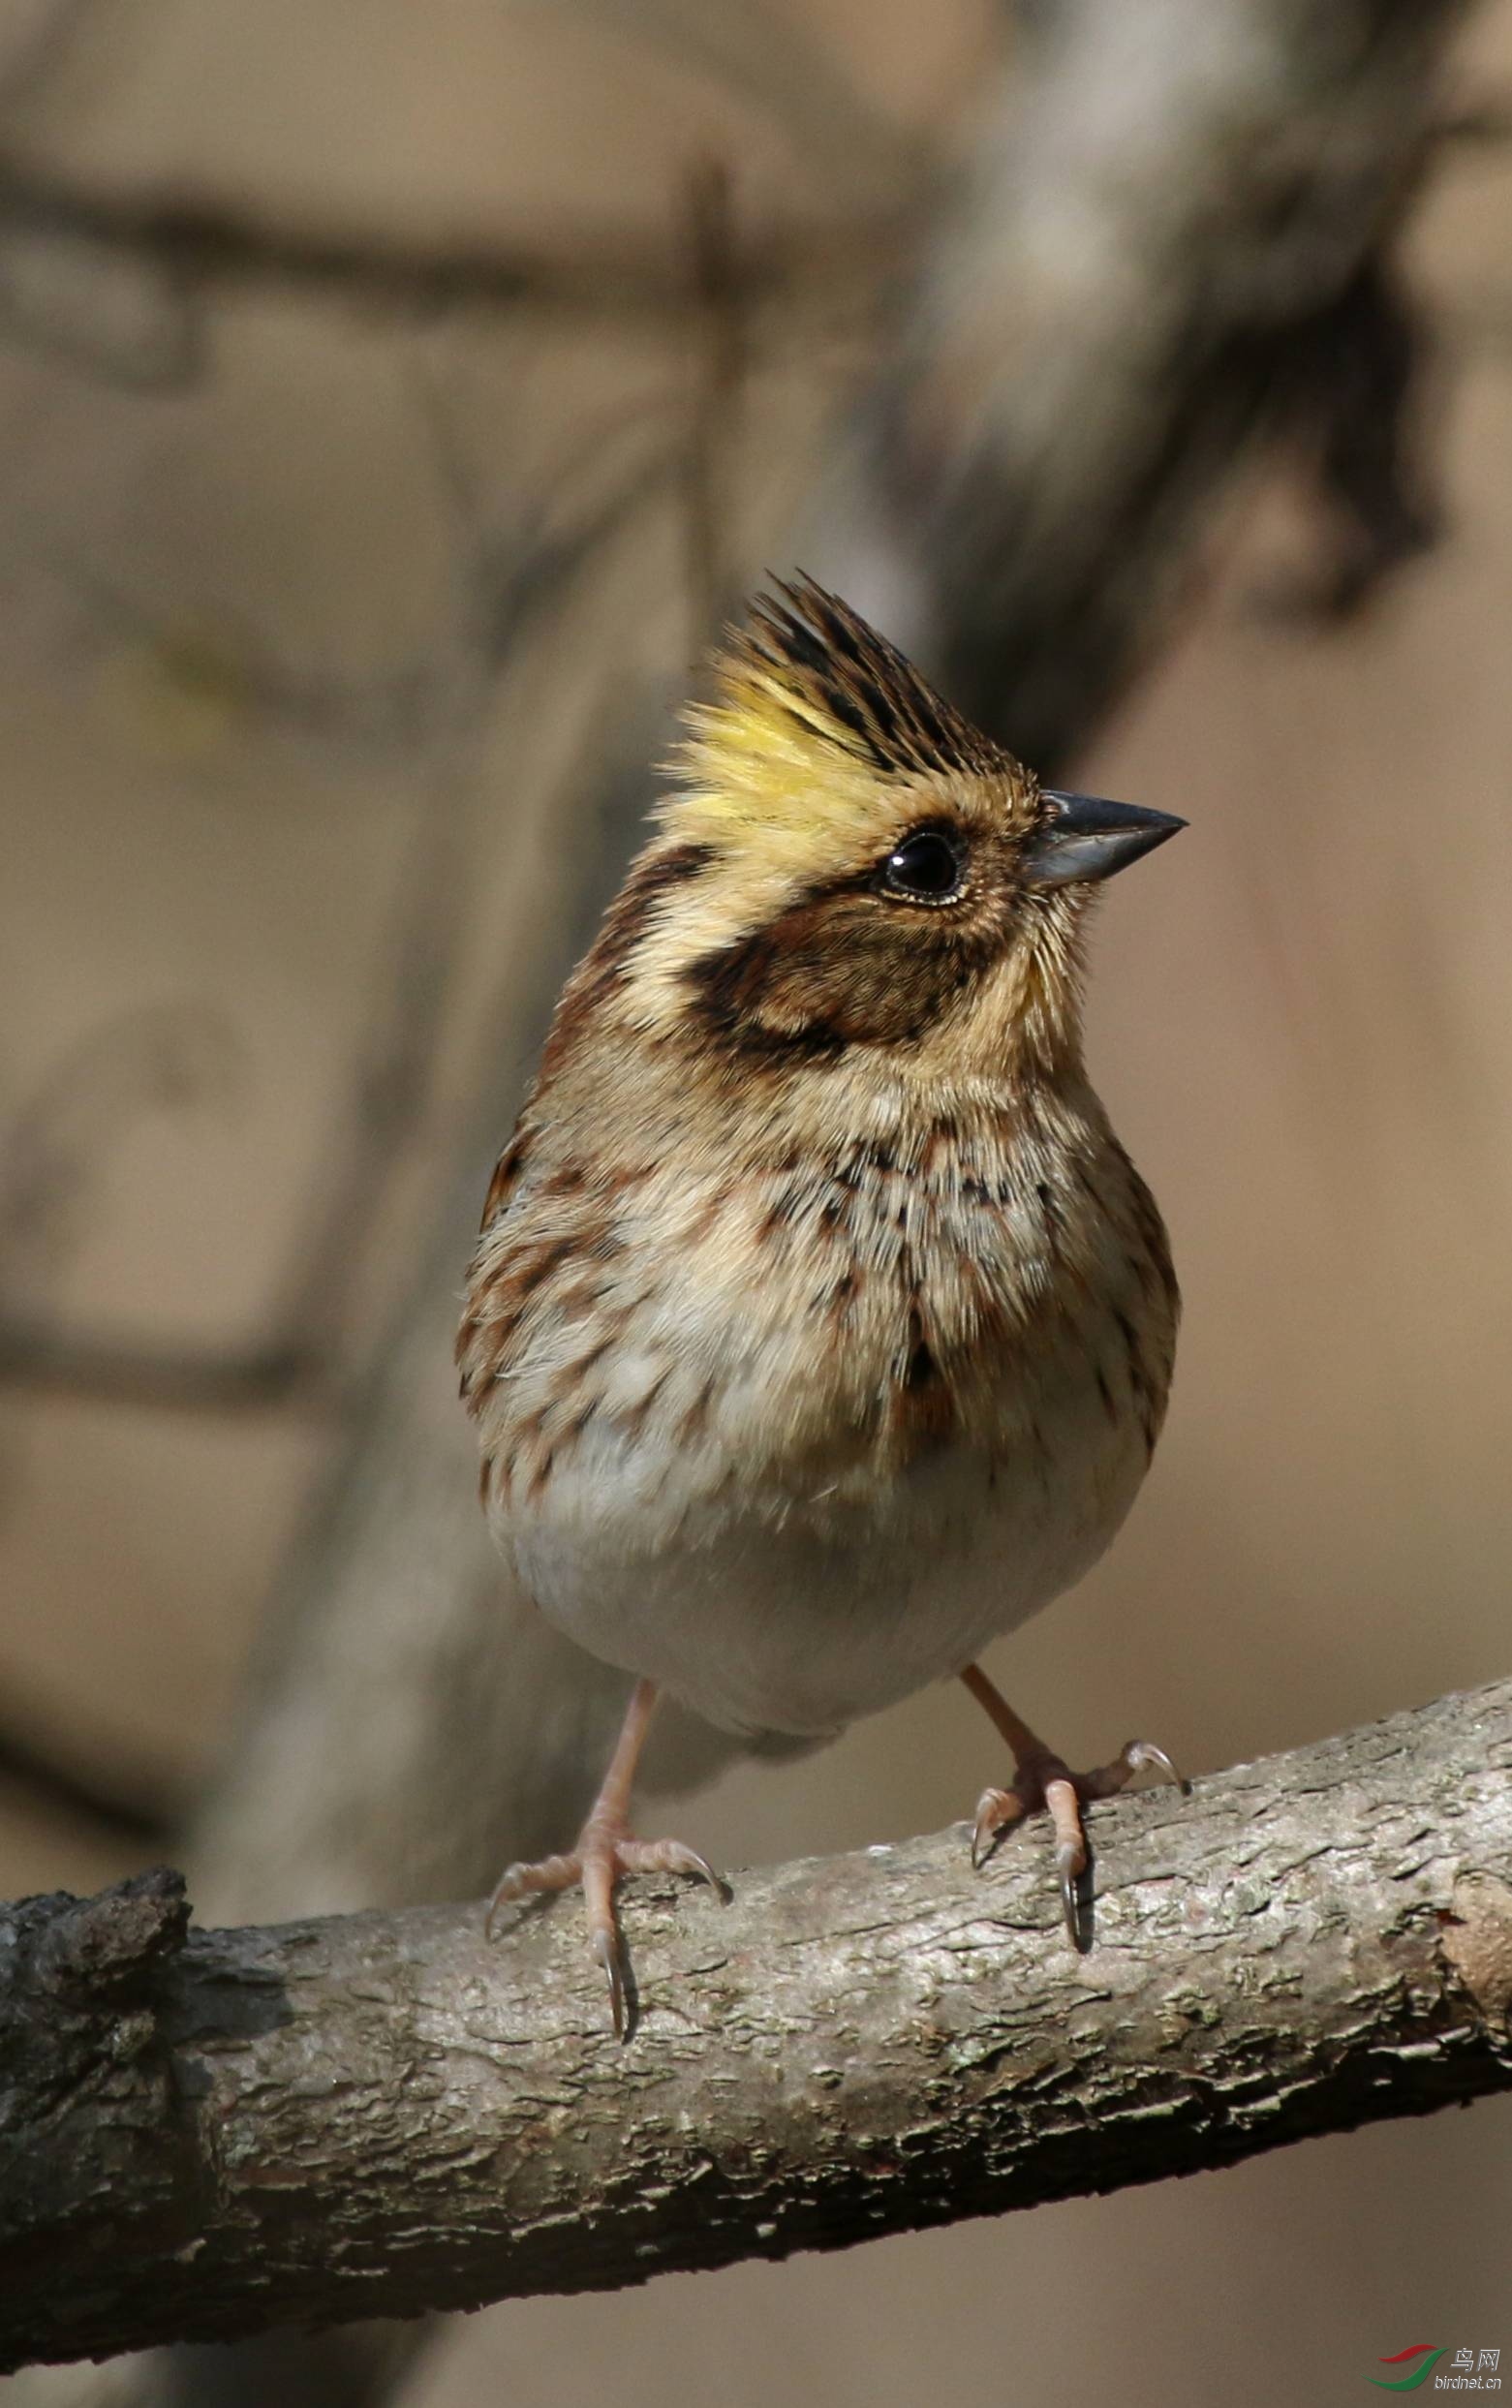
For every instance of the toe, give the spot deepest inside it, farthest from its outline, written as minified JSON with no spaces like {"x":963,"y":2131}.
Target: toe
{"x":1064,"y":1807}
{"x":996,"y":1812}
{"x":520,"y":1881}
{"x":670,"y":1856}
{"x":1136,"y":1756}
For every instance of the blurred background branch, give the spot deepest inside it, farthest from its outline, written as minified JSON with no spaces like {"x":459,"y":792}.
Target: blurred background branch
{"x":202,"y":246}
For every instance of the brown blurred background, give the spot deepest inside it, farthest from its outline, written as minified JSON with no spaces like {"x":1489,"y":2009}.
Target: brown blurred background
{"x":333,"y":632}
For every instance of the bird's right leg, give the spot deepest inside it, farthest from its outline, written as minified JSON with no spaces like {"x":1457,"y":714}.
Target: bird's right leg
{"x":607,"y":1848}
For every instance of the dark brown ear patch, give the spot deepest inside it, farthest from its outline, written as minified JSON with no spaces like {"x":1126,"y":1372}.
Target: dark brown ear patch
{"x":840,"y":969}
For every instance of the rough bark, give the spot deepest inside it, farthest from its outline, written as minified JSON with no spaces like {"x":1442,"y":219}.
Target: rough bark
{"x":210,"y":2132}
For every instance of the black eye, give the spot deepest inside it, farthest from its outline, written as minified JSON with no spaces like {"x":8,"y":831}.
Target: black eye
{"x":927,"y":867}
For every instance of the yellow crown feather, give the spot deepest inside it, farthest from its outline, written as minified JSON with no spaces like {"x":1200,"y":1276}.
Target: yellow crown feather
{"x":817,"y":722}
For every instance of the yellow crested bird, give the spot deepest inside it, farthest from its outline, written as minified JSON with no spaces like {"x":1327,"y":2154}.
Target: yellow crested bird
{"x":820,"y":1329}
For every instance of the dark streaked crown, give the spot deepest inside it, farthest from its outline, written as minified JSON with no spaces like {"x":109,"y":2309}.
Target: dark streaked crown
{"x":881,"y":706}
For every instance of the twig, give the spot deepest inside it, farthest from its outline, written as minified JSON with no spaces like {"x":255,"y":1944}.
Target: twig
{"x":203,"y":241}
{"x":204,"y":2134}
{"x":771,"y":58}
{"x":49,"y":1360}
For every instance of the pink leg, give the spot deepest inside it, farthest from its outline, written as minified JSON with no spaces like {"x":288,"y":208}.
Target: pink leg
{"x":1043,"y":1779}
{"x":605,"y":1849}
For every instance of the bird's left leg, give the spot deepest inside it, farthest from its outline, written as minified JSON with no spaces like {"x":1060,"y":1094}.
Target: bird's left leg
{"x":1043,"y":1779}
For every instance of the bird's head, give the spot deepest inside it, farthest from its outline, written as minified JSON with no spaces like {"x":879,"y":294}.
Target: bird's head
{"x":845,"y":861}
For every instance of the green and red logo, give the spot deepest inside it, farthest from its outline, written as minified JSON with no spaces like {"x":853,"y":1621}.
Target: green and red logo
{"x":1421,"y":2359}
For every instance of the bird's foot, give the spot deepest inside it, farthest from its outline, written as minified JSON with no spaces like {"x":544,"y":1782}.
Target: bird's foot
{"x":1042,"y":1781}
{"x":602,"y":1854}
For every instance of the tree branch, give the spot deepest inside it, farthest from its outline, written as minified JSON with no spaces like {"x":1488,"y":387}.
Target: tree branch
{"x":203,"y":2134}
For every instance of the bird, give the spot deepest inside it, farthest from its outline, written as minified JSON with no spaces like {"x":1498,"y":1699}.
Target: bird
{"x":819,"y":1330}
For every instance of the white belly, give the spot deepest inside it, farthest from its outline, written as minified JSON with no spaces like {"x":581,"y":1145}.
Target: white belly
{"x":802,"y":1620}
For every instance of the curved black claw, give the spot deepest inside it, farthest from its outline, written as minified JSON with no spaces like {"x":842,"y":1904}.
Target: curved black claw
{"x":1069,"y":1904}
{"x":1143,"y":1755}
{"x":717,"y":1882}
{"x":996,"y":1812}
{"x":1071,"y":1867}
{"x":606,"y":1948}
